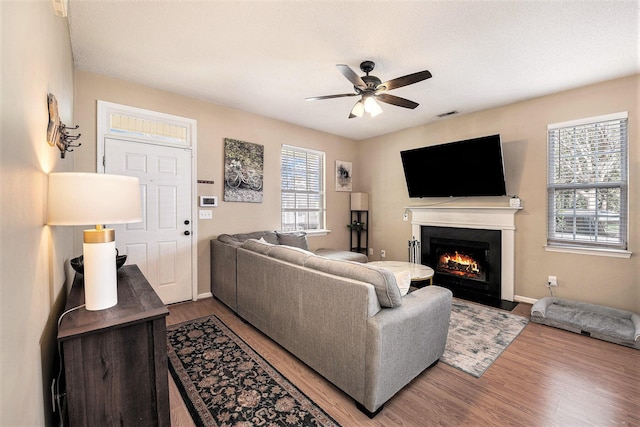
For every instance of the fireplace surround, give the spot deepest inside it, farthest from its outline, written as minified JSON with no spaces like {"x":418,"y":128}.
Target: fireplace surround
{"x":479,"y":218}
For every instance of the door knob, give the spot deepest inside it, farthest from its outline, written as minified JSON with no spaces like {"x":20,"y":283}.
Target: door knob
{"x":186,"y":222}
{"x":186,"y":233}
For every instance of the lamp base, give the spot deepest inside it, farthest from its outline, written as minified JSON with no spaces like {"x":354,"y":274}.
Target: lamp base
{"x":100,"y":276}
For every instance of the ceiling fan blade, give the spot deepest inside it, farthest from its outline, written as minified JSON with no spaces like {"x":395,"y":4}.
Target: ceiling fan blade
{"x":316,"y":98}
{"x":404,"y":80}
{"x":352,"y":76}
{"x":396,"y":100}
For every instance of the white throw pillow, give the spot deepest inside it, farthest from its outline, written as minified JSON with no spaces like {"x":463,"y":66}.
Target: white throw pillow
{"x":403,"y":279}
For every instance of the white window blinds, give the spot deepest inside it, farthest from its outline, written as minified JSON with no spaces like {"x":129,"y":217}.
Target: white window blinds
{"x":587,"y":182}
{"x":302,"y":189}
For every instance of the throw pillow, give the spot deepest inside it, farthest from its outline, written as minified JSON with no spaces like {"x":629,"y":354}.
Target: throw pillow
{"x":297,"y":239}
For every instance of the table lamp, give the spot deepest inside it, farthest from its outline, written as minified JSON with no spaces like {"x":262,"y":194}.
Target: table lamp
{"x":87,"y":199}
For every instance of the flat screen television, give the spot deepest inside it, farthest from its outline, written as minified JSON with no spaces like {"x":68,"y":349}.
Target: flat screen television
{"x":472,"y":167}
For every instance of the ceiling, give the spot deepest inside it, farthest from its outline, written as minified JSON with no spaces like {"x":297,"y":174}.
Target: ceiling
{"x":266,"y":57}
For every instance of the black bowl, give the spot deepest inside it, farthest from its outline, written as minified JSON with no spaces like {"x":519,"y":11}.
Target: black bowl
{"x":78,"y":263}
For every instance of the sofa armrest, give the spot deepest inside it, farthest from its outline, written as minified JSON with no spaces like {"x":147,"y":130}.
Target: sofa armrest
{"x":223,"y":273}
{"x":404,"y":341}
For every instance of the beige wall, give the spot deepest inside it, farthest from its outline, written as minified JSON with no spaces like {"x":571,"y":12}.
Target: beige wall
{"x":523,"y":125}
{"x":378,"y":170}
{"x":214,"y":124}
{"x":36,"y":59}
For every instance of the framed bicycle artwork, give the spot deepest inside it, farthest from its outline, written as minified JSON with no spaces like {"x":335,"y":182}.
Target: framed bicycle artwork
{"x":243,"y":171}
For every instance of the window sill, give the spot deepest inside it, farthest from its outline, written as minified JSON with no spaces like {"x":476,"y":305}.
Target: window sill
{"x":616,"y":253}
{"x":317,"y":232}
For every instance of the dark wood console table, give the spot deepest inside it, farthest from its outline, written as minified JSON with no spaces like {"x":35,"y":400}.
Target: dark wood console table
{"x":115,"y":360}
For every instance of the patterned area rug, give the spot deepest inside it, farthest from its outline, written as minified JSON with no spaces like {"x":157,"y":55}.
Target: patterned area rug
{"x":478,"y":335}
{"x":224,"y":382}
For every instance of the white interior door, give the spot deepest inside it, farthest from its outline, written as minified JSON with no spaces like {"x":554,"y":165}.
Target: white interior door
{"x":161,"y":244}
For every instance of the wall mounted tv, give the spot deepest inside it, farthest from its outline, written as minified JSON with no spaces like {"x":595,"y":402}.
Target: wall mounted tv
{"x":472,"y":167}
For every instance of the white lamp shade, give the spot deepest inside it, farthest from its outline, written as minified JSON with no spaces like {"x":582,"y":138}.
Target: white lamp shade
{"x":358,"y":109}
{"x":90,"y":198}
{"x":359,"y":202}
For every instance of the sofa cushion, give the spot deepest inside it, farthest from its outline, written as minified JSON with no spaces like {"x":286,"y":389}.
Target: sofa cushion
{"x":382,"y":280}
{"x":289,"y":254}
{"x":297,"y":239}
{"x":238,"y":239}
{"x":260,"y":246}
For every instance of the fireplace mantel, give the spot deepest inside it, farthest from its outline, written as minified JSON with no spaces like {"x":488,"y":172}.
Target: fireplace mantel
{"x":478,"y":217}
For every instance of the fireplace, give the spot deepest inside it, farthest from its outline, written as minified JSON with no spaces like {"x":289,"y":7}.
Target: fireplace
{"x":500,"y":219}
{"x":466,"y":261}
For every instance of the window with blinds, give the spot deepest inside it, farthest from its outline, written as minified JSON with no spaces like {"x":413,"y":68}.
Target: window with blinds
{"x":302,"y":189}
{"x":587,"y":182}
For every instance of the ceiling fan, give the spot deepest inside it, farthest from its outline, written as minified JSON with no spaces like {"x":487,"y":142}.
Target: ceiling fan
{"x":373,"y":89}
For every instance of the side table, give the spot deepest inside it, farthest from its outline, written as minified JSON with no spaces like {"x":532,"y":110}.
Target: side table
{"x":115,"y":360}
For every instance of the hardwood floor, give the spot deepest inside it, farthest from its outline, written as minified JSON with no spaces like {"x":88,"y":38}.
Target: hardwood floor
{"x":546,"y":377}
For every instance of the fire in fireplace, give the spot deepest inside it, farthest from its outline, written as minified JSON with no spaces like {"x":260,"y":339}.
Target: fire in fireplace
{"x":460,"y":264}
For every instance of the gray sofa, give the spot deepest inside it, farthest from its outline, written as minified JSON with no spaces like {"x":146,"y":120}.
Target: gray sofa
{"x":224,"y":255}
{"x":346,"y":320}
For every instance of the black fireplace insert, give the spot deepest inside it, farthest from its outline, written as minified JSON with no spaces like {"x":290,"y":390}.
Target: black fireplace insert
{"x":467,"y":261}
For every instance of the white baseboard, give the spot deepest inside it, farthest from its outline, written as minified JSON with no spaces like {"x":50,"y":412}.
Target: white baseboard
{"x":518,"y":298}
{"x":203,"y":296}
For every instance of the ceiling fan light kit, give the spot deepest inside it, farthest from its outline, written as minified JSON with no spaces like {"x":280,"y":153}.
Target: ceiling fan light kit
{"x":371,"y":106}
{"x":358,"y":110}
{"x":372,"y":89}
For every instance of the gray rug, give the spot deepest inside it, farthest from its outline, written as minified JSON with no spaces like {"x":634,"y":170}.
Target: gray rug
{"x":478,"y":335}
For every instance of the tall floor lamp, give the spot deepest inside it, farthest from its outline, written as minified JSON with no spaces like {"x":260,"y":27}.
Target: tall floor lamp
{"x":95,"y":199}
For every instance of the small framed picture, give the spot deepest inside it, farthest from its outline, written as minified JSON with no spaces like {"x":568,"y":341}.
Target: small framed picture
{"x":344,"y":172}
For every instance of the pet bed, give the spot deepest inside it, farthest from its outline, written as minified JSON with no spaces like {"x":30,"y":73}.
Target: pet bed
{"x":597,"y":321}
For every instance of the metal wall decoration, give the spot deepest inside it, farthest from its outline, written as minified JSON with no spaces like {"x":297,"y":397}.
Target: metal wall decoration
{"x":343,"y":175}
{"x":58,"y":132}
{"x":243,"y":171}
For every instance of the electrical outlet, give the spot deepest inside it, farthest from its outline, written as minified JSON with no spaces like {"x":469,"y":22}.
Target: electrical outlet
{"x":370,"y":251}
{"x":552,"y":281}
{"x":383,"y":253}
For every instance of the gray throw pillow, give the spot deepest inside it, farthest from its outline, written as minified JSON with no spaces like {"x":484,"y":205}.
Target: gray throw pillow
{"x":297,"y":239}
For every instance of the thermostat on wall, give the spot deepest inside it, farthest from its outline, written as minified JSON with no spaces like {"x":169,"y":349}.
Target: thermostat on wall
{"x":208,"y":201}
